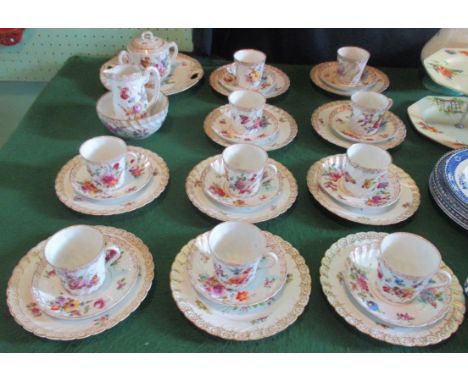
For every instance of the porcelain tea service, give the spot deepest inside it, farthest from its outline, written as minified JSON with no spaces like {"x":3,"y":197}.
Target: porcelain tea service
{"x":247,"y":112}
{"x":148,"y":51}
{"x":351,"y":64}
{"x":367,"y":112}
{"x":248,"y":68}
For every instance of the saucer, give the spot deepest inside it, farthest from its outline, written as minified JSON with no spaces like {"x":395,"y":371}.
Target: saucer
{"x":340,"y":122}
{"x":68,"y":196}
{"x":53,"y":299}
{"x":286,"y":128}
{"x":185,"y":73}
{"x":333,"y":178}
{"x":449,"y":68}
{"x":215,"y":186}
{"x":266,"y":283}
{"x":330,"y":77}
{"x":222,"y":125}
{"x":137,"y":176}
{"x":274,"y":81}
{"x":194,"y":187}
{"x":406,"y":205}
{"x":360,"y":275}
{"x":321,"y":123}
{"x":316,"y":74}
{"x":456,"y":174}
{"x":438,"y":124}
{"x":333,"y":285}
{"x":27,"y":313}
{"x":244,"y":323}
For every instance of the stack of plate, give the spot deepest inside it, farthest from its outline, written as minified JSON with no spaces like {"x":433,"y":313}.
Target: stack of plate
{"x":449,"y":185}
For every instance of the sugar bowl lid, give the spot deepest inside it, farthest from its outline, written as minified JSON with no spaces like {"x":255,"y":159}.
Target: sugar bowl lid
{"x":145,"y":43}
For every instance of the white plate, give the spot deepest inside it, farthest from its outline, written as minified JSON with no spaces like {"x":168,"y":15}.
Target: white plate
{"x":287,"y":128}
{"x":274,"y":82}
{"x":54,"y":300}
{"x":406,"y":206}
{"x":137,"y":176}
{"x":268,"y":280}
{"x":333,"y":177}
{"x":360,"y":276}
{"x":449,"y":67}
{"x":27,"y":313}
{"x":280,"y":204}
{"x":380,"y":85}
{"x":235,"y":323}
{"x":333,"y":286}
{"x":156,"y":186}
{"x":185,"y":73}
{"x":320,"y":122}
{"x":430,"y":117}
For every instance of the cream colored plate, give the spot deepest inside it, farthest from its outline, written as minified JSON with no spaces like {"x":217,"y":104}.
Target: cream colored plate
{"x":406,"y":206}
{"x":333,"y":286}
{"x":280,"y":204}
{"x":381,"y":84}
{"x":287,"y":128}
{"x":151,"y":191}
{"x":27,"y":314}
{"x":230,"y":323}
{"x":185,"y":73}
{"x":280,"y":86}
{"x":320,"y":122}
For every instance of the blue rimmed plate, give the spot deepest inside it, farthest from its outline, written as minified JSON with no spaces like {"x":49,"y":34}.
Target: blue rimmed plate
{"x":456,"y":174}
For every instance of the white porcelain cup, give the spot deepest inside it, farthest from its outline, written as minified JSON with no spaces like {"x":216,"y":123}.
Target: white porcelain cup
{"x":248,"y":68}
{"x":244,"y":166}
{"x":79,"y":256}
{"x":106,"y":159}
{"x":365,"y":164}
{"x":237,"y":249}
{"x":406,"y":265}
{"x":247,"y":111}
{"x":368,"y":109}
{"x":351,"y":64}
{"x":129,"y":95}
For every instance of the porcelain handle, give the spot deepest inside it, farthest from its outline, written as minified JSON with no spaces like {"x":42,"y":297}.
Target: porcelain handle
{"x":148,"y":35}
{"x":113,"y":253}
{"x":390,"y":104}
{"x":218,"y":166}
{"x":272,"y":256}
{"x":202,"y":243}
{"x":132,"y":155}
{"x":156,"y":84}
{"x":270,"y":176}
{"x":124,"y":57}
{"x":443,"y":284}
{"x":175,"y":50}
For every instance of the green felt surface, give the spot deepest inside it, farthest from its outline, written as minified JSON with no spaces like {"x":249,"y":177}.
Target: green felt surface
{"x":64,"y":116}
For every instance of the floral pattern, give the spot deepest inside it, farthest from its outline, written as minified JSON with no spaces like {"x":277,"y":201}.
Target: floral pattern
{"x":254,"y":75}
{"x":401,"y":290}
{"x":75,"y":282}
{"x":445,"y":71}
{"x":425,"y":126}
{"x":243,"y":183}
{"x":213,"y":287}
{"x":449,"y":106}
{"x":135,"y":106}
{"x":34,"y":309}
{"x":105,"y":176}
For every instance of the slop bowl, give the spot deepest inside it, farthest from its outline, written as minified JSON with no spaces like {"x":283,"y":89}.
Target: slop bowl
{"x":132,"y":129}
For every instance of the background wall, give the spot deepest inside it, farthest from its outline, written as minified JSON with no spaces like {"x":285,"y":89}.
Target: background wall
{"x":43,"y":51}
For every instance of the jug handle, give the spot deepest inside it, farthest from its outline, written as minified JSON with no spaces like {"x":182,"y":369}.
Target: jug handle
{"x":156,"y":84}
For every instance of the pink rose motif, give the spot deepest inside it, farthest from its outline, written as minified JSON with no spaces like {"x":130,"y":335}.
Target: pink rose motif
{"x":109,"y":180}
{"x":99,"y":303}
{"x":110,"y":254}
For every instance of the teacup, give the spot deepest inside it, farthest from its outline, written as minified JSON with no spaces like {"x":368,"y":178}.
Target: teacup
{"x":147,"y":51}
{"x":79,"y":256}
{"x":106,"y":161}
{"x":246,"y":111}
{"x":248,"y":68}
{"x":351,"y":64}
{"x":368,"y":109}
{"x":237,"y":249}
{"x":129,"y":96}
{"x":244,"y":166}
{"x":406,"y":265}
{"x":365,"y":164}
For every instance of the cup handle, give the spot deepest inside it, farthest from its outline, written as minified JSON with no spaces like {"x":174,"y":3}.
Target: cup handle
{"x":156,"y":84}
{"x":272,"y":256}
{"x":271,"y":176}
{"x":124,"y":57}
{"x":175,"y":50}
{"x":218,"y":166}
{"x":113,"y":253}
{"x":202,"y":243}
{"x":443,"y":284}
{"x":390,"y":104}
{"x":231,"y":69}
